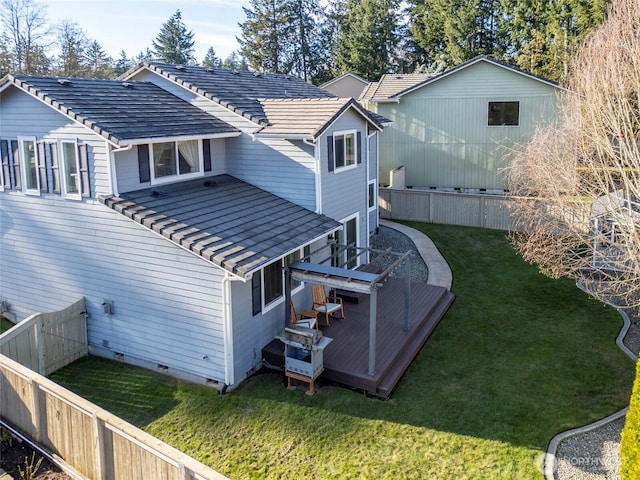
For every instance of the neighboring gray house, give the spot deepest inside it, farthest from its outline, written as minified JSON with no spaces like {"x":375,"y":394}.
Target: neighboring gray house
{"x":177,"y":201}
{"x":452,"y":131}
{"x":346,"y":85}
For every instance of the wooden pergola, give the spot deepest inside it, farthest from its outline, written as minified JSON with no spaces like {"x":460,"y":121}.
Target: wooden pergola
{"x":340,"y":277}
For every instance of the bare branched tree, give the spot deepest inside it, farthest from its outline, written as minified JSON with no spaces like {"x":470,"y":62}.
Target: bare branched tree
{"x":25,"y":27}
{"x":576,"y":185}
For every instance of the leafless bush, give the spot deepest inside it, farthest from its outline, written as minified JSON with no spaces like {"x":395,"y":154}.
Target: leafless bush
{"x":577,"y":183}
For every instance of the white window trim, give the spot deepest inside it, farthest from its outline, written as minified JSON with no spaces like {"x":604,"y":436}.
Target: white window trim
{"x":344,"y":133}
{"x":177,"y":177}
{"x":343,"y":230}
{"x":278,"y":301}
{"x":373,"y":182}
{"x":23,"y":165}
{"x":62,"y":170}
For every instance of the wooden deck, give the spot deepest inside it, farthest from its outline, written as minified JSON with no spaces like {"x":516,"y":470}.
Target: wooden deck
{"x":346,"y":359}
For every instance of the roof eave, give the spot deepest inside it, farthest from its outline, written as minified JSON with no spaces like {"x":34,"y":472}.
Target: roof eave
{"x":177,"y":138}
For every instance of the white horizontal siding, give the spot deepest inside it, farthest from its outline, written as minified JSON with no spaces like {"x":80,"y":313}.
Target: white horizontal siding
{"x":167,"y":302}
{"x":346,"y":193}
{"x":23,"y":115}
{"x":284,"y":168}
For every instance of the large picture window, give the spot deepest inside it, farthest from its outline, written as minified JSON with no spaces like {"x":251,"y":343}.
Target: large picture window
{"x":70,"y":169}
{"x":505,"y":114}
{"x":344,"y":148}
{"x":29,"y":165}
{"x":171,"y":159}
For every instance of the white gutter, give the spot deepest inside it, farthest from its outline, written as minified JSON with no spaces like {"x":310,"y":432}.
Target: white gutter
{"x":113,"y":177}
{"x":142,"y":141}
{"x":227,"y":322}
{"x":367,"y":190}
{"x":297,"y":136}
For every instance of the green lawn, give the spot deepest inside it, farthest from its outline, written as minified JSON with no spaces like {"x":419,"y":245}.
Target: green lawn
{"x":517,"y":359}
{"x":5,"y":324}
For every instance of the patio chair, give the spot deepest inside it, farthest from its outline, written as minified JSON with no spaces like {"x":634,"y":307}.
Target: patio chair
{"x":322,"y":303}
{"x":306,"y":318}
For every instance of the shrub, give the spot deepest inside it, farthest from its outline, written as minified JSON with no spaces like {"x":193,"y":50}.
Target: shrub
{"x":630,"y":444}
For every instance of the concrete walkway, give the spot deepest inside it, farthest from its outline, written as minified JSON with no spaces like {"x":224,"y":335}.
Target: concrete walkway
{"x":439,"y":271}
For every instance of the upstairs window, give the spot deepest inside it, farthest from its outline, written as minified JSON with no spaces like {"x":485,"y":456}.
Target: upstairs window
{"x":29,"y":165}
{"x":504,"y":114}
{"x":344,"y":148}
{"x":171,"y":159}
{"x":70,"y":169}
{"x":372,"y":196}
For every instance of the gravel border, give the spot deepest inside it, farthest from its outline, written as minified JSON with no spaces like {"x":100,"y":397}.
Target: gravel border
{"x":592,"y":452}
{"x":398,"y":242}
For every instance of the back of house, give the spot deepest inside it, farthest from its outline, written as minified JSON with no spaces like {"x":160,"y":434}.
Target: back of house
{"x":176,"y":196}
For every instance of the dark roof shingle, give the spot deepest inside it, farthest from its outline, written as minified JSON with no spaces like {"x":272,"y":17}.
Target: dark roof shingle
{"x":226,"y":221}
{"x":238,"y":91}
{"x":123,"y":111}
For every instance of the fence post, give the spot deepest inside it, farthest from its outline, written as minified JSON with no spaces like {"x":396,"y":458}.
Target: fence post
{"x":42,"y":354}
{"x":98,"y":438}
{"x":36,"y":416}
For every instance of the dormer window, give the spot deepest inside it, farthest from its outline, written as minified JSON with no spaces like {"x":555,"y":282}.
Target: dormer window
{"x":171,"y":159}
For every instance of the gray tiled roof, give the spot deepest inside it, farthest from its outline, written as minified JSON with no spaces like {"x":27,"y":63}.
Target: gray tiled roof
{"x":390,"y":85}
{"x":123,"y":111}
{"x":226,"y":221}
{"x":238,"y":91}
{"x":304,"y":116}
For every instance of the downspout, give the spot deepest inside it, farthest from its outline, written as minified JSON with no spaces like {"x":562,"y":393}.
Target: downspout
{"x":367,"y":190}
{"x":227,"y":321}
{"x":318,"y":173}
{"x":113,"y":177}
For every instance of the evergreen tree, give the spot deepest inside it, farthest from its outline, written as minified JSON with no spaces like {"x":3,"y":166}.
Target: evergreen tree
{"x":98,"y":63}
{"x":368,"y":39}
{"x":305,"y":39}
{"x":263,"y":36}
{"x":454,"y":31}
{"x":235,"y":61}
{"x":174,"y":43}
{"x":71,"y":42}
{"x":122,"y":64}
{"x":544,"y":34}
{"x":210,"y":59}
{"x":146,"y":56}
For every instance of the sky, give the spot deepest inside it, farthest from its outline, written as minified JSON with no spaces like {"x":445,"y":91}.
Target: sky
{"x":131,"y":25}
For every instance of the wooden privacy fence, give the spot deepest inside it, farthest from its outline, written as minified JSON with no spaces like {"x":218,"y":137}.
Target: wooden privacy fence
{"x":45,"y":342}
{"x":92,"y":441}
{"x":471,"y":210}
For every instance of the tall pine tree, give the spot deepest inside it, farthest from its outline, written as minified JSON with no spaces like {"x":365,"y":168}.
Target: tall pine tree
{"x":97,"y":63}
{"x":544,"y":34}
{"x":454,"y":31}
{"x":367,"y":39}
{"x":211,"y":60}
{"x":174,"y":43}
{"x":263,"y":36}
